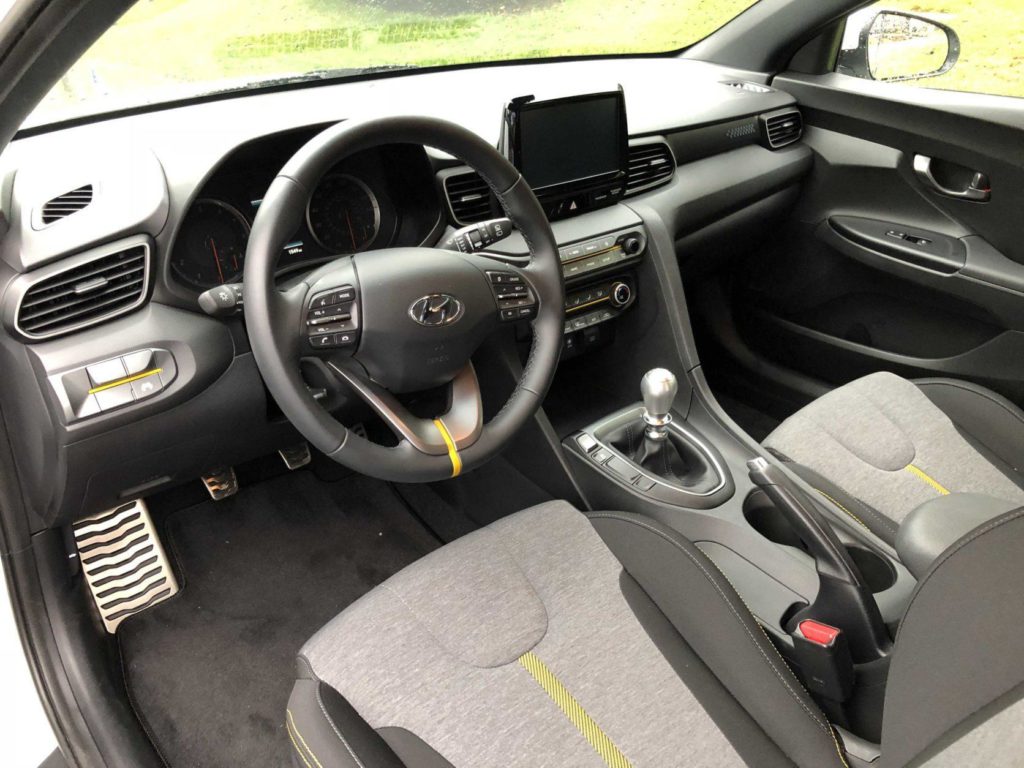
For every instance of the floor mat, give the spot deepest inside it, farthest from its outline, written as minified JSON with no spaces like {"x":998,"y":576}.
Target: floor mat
{"x":210,"y":670}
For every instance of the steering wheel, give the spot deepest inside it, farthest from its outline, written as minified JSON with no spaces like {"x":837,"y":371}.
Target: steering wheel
{"x":401,"y":320}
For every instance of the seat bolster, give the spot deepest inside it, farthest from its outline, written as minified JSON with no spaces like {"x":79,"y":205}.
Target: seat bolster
{"x":988,"y":420}
{"x":711,"y":617}
{"x":326,"y":732}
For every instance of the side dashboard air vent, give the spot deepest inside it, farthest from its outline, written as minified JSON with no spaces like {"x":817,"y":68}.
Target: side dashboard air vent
{"x":469,"y":197}
{"x":743,"y":85}
{"x":64,"y":205}
{"x":781,"y":128}
{"x":97,"y":288}
{"x":650,"y":165}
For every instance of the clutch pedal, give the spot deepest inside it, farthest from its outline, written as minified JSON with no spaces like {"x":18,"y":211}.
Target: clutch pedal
{"x":124,"y":563}
{"x":296,"y":456}
{"x":221,"y":483}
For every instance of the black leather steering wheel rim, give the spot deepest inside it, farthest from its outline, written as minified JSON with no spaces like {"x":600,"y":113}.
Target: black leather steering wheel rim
{"x":270,"y":313}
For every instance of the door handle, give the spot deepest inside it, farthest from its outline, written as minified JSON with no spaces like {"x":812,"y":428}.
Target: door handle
{"x":978,"y":191}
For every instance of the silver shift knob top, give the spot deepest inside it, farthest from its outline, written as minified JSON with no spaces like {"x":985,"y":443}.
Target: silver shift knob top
{"x":658,"y":388}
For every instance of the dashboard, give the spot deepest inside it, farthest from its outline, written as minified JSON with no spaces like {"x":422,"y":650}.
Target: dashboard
{"x":380,"y":198}
{"x":162,"y":202}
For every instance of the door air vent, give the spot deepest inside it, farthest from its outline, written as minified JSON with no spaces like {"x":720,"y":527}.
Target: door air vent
{"x":650,"y":164}
{"x":95,"y":289}
{"x":781,"y":128}
{"x":469,"y":197}
{"x":64,"y":205}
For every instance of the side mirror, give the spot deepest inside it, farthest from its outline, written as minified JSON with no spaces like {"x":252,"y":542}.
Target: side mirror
{"x":892,"y":46}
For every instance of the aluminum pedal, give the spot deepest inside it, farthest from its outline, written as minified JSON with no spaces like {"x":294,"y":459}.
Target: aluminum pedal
{"x":221,"y":483}
{"x":124,"y":563}
{"x":296,"y":456}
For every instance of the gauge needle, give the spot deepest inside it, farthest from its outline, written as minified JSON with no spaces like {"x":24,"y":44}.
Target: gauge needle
{"x":351,"y":232}
{"x":216,"y":260}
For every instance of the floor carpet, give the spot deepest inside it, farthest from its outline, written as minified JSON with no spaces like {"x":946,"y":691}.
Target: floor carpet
{"x":209,"y":671}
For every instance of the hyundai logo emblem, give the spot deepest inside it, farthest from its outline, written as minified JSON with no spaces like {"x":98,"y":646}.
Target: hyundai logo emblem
{"x":436,"y":309}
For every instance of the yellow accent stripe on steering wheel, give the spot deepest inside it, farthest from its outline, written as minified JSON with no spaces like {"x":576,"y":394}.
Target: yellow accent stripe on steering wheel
{"x":453,"y":452}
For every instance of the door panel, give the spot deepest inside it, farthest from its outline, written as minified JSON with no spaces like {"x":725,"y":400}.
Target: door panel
{"x":880,"y":267}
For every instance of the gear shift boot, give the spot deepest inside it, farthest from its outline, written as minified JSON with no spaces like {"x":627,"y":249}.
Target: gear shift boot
{"x":674,"y":459}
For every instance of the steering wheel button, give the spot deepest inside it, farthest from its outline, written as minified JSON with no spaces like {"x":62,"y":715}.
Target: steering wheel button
{"x":344,"y":339}
{"x":320,"y":342}
{"x":510,"y":314}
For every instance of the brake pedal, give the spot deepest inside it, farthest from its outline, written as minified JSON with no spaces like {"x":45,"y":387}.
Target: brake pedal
{"x":221,"y":483}
{"x":124,"y":563}
{"x":296,"y":456}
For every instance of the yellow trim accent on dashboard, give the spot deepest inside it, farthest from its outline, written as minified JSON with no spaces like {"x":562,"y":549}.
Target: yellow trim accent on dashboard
{"x":577,"y":308}
{"x":453,"y":452}
{"x":125,"y":380}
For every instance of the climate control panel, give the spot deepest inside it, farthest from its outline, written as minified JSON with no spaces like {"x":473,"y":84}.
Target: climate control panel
{"x":610,"y":251}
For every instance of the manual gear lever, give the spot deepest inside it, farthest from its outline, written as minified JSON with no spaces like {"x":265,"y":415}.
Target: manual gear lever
{"x":658,"y":388}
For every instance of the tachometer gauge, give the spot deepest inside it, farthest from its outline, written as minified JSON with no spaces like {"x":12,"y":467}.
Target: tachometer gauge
{"x":343,"y":214}
{"x":211,"y":245}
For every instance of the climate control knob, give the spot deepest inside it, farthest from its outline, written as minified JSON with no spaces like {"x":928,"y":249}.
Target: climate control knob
{"x":621,"y":294}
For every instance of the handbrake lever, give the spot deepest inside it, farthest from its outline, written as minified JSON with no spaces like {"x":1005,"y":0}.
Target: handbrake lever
{"x":843,"y":599}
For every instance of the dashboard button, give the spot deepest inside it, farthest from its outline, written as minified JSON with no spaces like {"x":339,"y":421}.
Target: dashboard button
{"x":137,"y":362}
{"x":106,"y":372}
{"x":115,"y":397}
{"x":147,"y":387}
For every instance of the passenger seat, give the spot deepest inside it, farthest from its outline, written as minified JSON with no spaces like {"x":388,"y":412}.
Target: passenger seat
{"x":880,"y":446}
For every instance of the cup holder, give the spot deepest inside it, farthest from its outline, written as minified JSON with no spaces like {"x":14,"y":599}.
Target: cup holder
{"x":763,"y":516}
{"x":878,"y":572}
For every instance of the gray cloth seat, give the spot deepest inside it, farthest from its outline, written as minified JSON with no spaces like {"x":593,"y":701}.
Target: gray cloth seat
{"x":553,"y":638}
{"x":881,"y":446}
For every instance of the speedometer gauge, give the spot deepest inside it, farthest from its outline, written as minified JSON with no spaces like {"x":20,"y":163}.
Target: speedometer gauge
{"x":343,"y":214}
{"x":211,"y":245}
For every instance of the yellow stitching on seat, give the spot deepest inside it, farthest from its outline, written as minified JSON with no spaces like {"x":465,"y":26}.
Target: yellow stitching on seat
{"x":294,"y":727}
{"x":453,"y":452}
{"x":921,"y":474}
{"x":294,"y":744}
{"x":573,"y":710}
{"x":842,"y":508}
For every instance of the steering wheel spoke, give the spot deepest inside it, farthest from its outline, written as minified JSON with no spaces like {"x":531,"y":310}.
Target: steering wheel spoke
{"x":457,"y":428}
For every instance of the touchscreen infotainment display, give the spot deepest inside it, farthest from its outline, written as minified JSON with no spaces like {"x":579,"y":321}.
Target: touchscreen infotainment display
{"x":568,"y":141}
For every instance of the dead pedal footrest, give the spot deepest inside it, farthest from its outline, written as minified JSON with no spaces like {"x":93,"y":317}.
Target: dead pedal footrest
{"x":124,"y":563}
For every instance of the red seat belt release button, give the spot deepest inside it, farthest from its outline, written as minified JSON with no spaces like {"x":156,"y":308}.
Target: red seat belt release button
{"x":822,"y":634}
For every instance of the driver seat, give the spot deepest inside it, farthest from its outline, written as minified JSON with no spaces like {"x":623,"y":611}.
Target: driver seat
{"x":554,"y":638}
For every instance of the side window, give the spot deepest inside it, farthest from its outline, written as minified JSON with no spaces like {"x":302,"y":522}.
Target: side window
{"x":958,"y":45}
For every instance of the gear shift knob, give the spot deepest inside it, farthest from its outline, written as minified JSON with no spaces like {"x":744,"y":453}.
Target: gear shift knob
{"x":658,"y":388}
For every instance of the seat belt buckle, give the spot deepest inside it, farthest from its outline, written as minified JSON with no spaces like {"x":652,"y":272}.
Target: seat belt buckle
{"x":823,"y":655}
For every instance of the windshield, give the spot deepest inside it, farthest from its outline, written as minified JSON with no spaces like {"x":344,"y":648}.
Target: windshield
{"x":164,"y":50}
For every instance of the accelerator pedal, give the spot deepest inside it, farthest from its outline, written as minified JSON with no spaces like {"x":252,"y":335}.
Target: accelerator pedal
{"x":124,"y":563}
{"x":296,"y":456}
{"x":221,"y":483}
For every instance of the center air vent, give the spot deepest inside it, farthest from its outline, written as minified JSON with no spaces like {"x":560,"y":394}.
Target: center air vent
{"x":469,"y":197}
{"x":650,"y":164}
{"x":781,"y":128}
{"x":64,"y":205}
{"x":96,"y":288}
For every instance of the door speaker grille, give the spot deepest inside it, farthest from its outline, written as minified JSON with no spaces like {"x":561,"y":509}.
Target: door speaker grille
{"x":124,"y":563}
